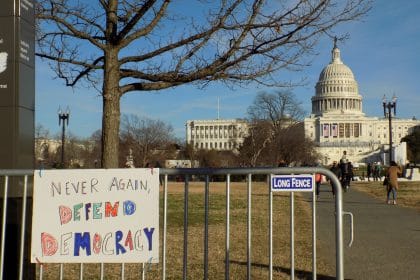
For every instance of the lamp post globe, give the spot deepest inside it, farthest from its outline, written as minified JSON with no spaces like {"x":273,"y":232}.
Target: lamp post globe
{"x":390,"y":109}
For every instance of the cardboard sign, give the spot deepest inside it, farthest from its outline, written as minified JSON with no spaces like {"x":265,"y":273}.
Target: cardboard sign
{"x":95,"y":216}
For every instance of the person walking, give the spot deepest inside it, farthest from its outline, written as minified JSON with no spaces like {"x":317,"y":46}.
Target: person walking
{"x":350,"y":172}
{"x":337,"y":172}
{"x":344,"y":166}
{"x":369,"y":170}
{"x":318,"y":180}
{"x":392,"y":174}
{"x":375,"y":177}
{"x":378,"y":171}
{"x":344,"y":157}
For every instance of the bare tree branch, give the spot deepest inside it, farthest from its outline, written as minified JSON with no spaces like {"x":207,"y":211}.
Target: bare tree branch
{"x":144,"y":45}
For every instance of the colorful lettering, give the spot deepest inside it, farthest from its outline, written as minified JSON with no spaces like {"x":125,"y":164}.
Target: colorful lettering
{"x":96,"y":243}
{"x":149,"y":235}
{"x":87,"y":210}
{"x":129,"y":241}
{"x":105,"y":249}
{"x":113,"y":243}
{"x":111,"y":210}
{"x":129,"y":207}
{"x":65,"y":243}
{"x":118,"y":246}
{"x":76,"y":213}
{"x":49,"y":244}
{"x":65,"y":214}
{"x":82,"y":241}
{"x":96,"y":209}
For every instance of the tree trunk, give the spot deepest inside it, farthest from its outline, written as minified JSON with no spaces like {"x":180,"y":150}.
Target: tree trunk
{"x":111,"y":111}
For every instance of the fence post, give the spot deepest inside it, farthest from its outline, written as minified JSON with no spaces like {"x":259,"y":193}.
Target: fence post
{"x":292,"y":235}
{"x":270,"y":219}
{"x":206,"y":228}
{"x":227,"y":260}
{"x":185,"y":260}
{"x":249,"y":223}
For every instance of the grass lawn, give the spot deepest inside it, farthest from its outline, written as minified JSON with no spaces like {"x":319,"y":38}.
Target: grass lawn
{"x":408,"y":192}
{"x":238,"y":237}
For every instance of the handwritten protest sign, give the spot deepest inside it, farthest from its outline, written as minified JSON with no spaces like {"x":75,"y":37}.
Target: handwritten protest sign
{"x":86,"y":216}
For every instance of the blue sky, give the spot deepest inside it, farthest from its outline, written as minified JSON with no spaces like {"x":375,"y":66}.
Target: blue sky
{"x":382,"y":51}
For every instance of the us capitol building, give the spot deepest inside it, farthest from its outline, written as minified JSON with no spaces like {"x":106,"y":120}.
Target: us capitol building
{"x":337,"y":122}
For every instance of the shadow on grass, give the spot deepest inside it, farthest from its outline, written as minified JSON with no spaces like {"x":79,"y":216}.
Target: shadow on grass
{"x":300,"y":274}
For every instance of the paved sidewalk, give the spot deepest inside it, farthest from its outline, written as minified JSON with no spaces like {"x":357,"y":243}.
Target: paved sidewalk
{"x":386,"y":237}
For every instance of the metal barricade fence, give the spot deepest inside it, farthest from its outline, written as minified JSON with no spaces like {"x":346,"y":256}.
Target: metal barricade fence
{"x":14,"y":194}
{"x":207,"y":173}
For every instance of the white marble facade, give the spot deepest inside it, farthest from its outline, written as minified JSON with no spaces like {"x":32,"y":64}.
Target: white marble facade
{"x":337,"y":122}
{"x":216,"y":134}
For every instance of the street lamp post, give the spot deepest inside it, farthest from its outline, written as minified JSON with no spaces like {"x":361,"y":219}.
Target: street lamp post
{"x":388,"y":106}
{"x":63,"y":119}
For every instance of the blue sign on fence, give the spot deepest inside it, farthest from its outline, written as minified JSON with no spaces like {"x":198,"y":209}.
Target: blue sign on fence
{"x":293,"y":183}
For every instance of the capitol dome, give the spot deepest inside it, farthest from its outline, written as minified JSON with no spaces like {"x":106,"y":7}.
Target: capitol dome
{"x":337,"y":91}
{"x":336,"y":70}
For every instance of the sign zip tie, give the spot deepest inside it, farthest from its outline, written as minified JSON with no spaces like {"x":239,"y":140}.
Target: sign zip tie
{"x":40,"y":171}
{"x":39,"y":262}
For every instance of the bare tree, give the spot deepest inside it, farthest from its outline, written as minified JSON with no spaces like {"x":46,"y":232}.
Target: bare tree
{"x":260,"y":134}
{"x":276,"y":132}
{"x":88,"y":150}
{"x":189,"y":152}
{"x":145,"y":136}
{"x":292,"y":147}
{"x":42,"y":148}
{"x":280,"y":109}
{"x":41,"y":132}
{"x":121,"y":46}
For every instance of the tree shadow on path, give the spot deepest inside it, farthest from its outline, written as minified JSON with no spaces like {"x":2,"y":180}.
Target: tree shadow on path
{"x":299,"y":274}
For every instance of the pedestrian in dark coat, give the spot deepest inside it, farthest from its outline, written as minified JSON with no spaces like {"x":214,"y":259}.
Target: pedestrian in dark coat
{"x":369,"y":170}
{"x":337,"y":172}
{"x":344,"y":166}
